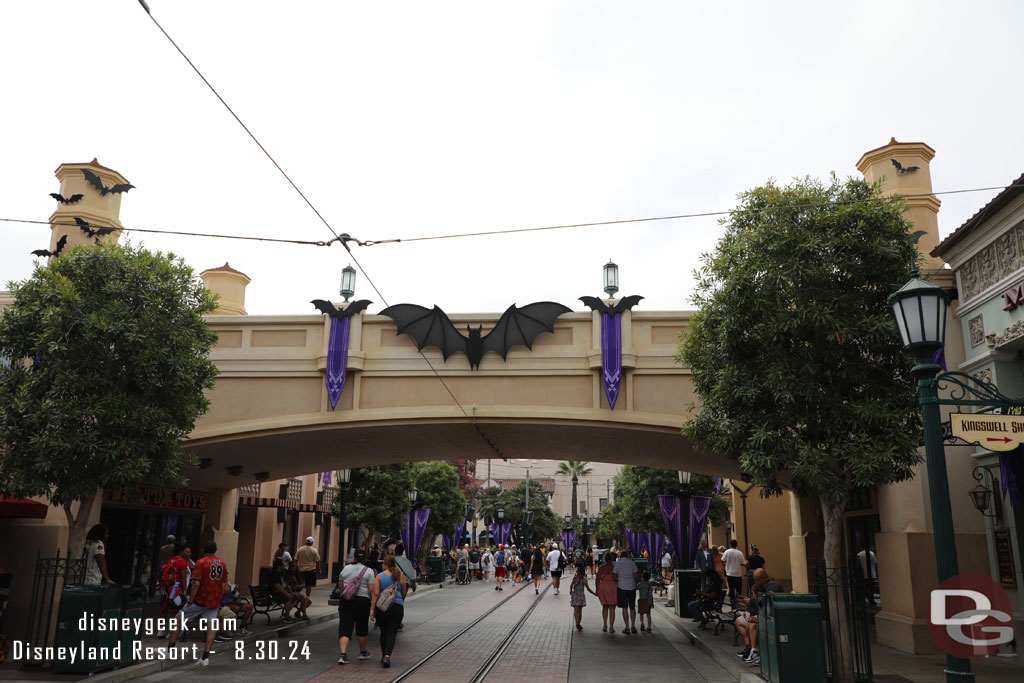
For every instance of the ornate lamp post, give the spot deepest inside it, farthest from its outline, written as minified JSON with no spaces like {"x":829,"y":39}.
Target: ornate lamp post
{"x":919,"y":309}
{"x":344,"y":477}
{"x":348,"y":281}
{"x":611,"y":278}
{"x":683,"y":559}
{"x":501,"y":517}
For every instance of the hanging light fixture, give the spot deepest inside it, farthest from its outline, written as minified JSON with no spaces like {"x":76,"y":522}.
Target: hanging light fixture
{"x":919,"y":308}
{"x":348,"y":281}
{"x":611,"y":278}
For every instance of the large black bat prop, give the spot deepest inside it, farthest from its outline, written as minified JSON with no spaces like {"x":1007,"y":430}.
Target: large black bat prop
{"x":899,"y":167}
{"x":517,"y":326}
{"x":70,"y":200}
{"x":327,"y":307}
{"x":91,"y":231}
{"x":625,"y":303}
{"x":56,"y":251}
{"x":95,"y":181}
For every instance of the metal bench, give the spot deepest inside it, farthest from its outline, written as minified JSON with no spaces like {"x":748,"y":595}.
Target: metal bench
{"x":262,"y":602}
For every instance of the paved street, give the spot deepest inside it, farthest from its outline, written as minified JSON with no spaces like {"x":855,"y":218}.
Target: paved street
{"x":547,"y":646}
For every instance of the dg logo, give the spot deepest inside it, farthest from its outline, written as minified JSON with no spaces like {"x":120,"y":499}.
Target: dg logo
{"x":969,"y":616}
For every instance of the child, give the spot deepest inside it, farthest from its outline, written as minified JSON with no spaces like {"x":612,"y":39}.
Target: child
{"x":643,"y":601}
{"x":577,"y":598}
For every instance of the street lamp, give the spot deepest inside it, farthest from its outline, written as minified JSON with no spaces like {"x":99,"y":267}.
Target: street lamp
{"x":919,"y":309}
{"x":981,"y":495}
{"x":611,"y":278}
{"x":683,"y":559}
{"x":568,"y":520}
{"x":413,"y":493}
{"x":343,"y":477}
{"x":348,"y":281}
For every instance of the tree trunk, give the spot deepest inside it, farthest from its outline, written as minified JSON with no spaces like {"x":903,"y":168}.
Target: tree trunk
{"x":78,"y":526}
{"x":842,"y":666}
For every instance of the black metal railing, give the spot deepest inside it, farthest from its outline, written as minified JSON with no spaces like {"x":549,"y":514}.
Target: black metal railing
{"x":843,"y":589}
{"x":51,"y":575}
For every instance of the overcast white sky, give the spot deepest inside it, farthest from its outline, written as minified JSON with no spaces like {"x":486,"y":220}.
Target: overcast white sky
{"x":403,"y":119}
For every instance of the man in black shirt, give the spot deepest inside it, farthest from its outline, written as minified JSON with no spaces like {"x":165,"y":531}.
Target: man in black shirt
{"x":754,"y":562}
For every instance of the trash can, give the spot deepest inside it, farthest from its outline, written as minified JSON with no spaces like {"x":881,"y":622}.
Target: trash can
{"x":641,"y":564}
{"x":102,"y":648}
{"x":134,"y":602}
{"x":790,"y":638}
{"x":686,"y":582}
{"x":435,"y":570}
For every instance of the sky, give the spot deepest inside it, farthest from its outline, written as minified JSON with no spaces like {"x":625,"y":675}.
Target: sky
{"x":409,"y":119}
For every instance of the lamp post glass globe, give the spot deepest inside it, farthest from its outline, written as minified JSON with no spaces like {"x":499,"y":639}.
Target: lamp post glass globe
{"x":344,"y":476}
{"x":684,"y":478}
{"x":611,"y":278}
{"x":981,"y":497}
{"x":919,"y":309}
{"x":412,"y":496}
{"x":348,"y":281}
{"x":501,"y":513}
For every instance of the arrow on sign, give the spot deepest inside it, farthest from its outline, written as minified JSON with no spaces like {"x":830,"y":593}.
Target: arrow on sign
{"x":1004,"y":439}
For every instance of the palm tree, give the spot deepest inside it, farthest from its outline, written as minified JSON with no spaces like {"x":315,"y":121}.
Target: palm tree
{"x":574,"y":469}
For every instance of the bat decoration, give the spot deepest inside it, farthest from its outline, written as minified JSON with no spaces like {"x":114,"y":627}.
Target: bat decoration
{"x":625,"y":303}
{"x":327,"y":307}
{"x":95,"y":181}
{"x":918,"y":235}
{"x":899,"y":167}
{"x":93,"y":232}
{"x":56,"y":252}
{"x":517,"y":326}
{"x":70,"y":200}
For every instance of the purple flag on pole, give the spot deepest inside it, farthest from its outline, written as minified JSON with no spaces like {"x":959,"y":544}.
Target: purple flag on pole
{"x":699,"y":507}
{"x":446,"y":542}
{"x":460,"y":529}
{"x":673,"y":516}
{"x":337,"y":359}
{"x":405,"y":533}
{"x":495,"y":529}
{"x":419,"y":527}
{"x":1011,"y":472}
{"x":326,"y":478}
{"x":570,"y":541}
{"x":611,"y":356}
{"x":506,"y":527}
{"x":629,"y":538}
{"x":659,"y":545}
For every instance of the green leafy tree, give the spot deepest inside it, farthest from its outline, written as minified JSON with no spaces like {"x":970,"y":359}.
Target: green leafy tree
{"x":637,"y":490}
{"x":546,"y":524}
{"x":610,"y":524}
{"x":794,"y":355}
{"x":378,"y":498}
{"x":439,"y":490}
{"x":574,"y":469}
{"x":111,"y":378}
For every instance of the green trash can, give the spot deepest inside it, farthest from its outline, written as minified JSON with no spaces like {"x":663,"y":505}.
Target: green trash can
{"x":102,"y":649}
{"x":790,"y":638}
{"x":134,"y":602}
{"x":435,"y":570}
{"x":685,"y":583}
{"x":641,"y":564}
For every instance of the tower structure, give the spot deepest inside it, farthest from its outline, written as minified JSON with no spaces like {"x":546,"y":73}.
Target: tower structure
{"x":94,"y":207}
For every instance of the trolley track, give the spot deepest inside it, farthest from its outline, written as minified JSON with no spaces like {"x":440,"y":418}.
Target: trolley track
{"x":495,"y":655}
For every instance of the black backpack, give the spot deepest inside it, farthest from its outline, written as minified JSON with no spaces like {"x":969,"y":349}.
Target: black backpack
{"x":474,"y":556}
{"x":561,"y":560}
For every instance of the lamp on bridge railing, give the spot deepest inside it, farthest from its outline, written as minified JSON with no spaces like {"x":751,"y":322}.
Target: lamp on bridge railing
{"x":919,"y":309}
{"x":348,"y":281}
{"x":611,"y":278}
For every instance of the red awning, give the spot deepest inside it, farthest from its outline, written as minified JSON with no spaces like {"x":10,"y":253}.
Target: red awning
{"x":21,"y":507}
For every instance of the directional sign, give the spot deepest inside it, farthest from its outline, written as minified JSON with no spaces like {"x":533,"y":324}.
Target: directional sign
{"x":994,"y":432}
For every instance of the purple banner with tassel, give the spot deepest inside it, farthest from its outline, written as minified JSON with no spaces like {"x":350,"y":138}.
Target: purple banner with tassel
{"x":673,"y":515}
{"x":699,"y":508}
{"x":506,"y":528}
{"x":611,"y":356}
{"x":460,"y":529}
{"x":658,"y":544}
{"x":337,"y":358}
{"x":404,"y":532}
{"x":419,"y":528}
{"x":1011,"y":475}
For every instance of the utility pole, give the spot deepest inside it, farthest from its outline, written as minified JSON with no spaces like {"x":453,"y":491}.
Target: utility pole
{"x":589,"y":513}
{"x":526,"y":510}
{"x":608,"y":490}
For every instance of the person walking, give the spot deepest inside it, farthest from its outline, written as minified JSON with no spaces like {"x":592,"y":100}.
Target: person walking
{"x":733,"y":561}
{"x":555,"y":562}
{"x":718,"y":564}
{"x":625,"y":571}
{"x":96,"y":556}
{"x":607,"y":591}
{"x":486,"y":563}
{"x":174,"y":579}
{"x":591,"y":569}
{"x":537,"y":568}
{"x":754,"y":562}
{"x":500,"y":562}
{"x":308,"y":559}
{"x":204,"y":599}
{"x":578,"y":596}
{"x":644,"y":598}
{"x":390,"y":619}
{"x":354,"y":606}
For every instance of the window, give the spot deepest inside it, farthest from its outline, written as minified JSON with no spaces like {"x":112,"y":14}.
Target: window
{"x":602,"y":503}
{"x":583,"y":507}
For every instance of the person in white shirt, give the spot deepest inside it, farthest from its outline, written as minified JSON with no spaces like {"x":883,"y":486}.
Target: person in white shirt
{"x":553,"y":560}
{"x":486,"y":562}
{"x":733,"y":561}
{"x":666,"y":565}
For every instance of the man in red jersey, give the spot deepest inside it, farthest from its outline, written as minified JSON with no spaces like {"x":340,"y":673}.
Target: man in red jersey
{"x":209,"y":579}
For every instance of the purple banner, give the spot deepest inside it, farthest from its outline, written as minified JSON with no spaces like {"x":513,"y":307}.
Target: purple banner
{"x":1011,"y":471}
{"x":699,"y":507}
{"x":460,"y":529}
{"x":446,"y":542}
{"x":570,"y":540}
{"x":658,"y":544}
{"x":337,"y":359}
{"x":611,"y":356}
{"x":506,"y":528}
{"x":419,"y":528}
{"x":326,"y":478}
{"x":673,"y":516}
{"x":404,"y":532}
{"x":565,"y":538}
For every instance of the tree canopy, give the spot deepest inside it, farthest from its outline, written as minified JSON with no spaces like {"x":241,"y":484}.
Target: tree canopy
{"x":794,"y":355}
{"x":439,"y":490}
{"x":108,"y":377}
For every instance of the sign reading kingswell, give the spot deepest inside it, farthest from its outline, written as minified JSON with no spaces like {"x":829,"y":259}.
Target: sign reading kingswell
{"x":970,"y":616}
{"x":993,"y":432}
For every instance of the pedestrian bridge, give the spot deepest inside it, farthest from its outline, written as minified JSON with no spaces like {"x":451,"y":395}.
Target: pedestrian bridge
{"x":270,"y":412}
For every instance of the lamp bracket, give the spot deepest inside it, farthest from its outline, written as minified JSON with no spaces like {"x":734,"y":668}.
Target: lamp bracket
{"x":967,"y":390}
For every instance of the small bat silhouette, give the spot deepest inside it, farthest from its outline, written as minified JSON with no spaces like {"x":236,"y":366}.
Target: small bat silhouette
{"x":517,"y":326}
{"x":327,"y":307}
{"x":918,"y":235}
{"x":899,"y":167}
{"x":625,"y":303}
{"x":93,"y":232}
{"x":56,"y":252}
{"x":95,"y":181}
{"x":70,"y":200}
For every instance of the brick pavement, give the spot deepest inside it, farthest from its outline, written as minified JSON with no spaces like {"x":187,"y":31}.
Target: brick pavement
{"x":542,"y":648}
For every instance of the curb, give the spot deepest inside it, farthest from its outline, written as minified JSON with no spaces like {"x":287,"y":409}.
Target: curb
{"x":732,"y":666}
{"x":141,"y":669}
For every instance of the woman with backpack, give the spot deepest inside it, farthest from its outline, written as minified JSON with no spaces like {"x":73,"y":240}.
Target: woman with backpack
{"x":354,"y":605}
{"x":387,"y":606}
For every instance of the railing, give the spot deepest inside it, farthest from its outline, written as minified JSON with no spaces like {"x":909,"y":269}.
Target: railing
{"x":843,"y":590}
{"x":51,"y":575}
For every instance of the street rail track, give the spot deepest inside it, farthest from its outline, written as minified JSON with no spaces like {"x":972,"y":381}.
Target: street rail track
{"x":492,"y":659}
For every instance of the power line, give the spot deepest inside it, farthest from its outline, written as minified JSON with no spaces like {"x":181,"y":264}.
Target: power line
{"x":172,"y":232}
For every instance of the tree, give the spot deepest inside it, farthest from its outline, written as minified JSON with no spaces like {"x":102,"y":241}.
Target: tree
{"x":114,"y":367}
{"x":378,"y":497}
{"x":574,"y":469}
{"x":794,"y":354}
{"x":545,"y":523}
{"x":637,"y":490}
{"x":439,"y":490}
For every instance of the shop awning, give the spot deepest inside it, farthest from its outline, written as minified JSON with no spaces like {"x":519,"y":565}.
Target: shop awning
{"x":261,"y":502}
{"x":22,"y":507}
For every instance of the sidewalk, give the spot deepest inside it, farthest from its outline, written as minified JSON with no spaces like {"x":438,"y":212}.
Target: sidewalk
{"x":318,"y":612}
{"x":888,"y":665}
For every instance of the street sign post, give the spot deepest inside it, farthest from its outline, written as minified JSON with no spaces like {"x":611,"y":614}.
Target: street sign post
{"x":992,"y":432}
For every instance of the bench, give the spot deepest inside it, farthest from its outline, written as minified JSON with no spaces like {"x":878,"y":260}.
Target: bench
{"x":262,"y":602}
{"x":717,"y":615}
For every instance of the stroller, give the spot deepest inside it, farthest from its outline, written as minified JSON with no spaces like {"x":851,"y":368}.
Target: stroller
{"x":462,"y":572}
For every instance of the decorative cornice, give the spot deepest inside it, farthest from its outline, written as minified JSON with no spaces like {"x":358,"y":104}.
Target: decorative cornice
{"x":1011,"y":333}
